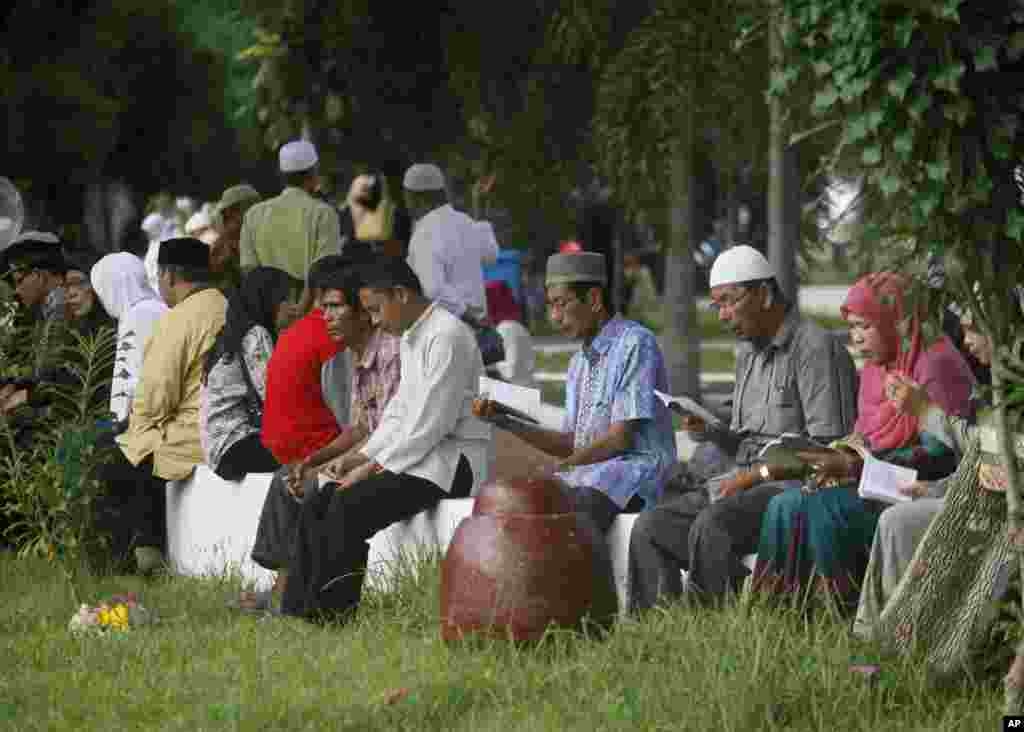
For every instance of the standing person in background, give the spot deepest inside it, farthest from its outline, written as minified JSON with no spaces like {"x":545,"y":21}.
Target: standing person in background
{"x":228,"y":213}
{"x":122,"y":288}
{"x":520,"y":357}
{"x":643,"y":304}
{"x":200,"y":226}
{"x":294,"y":229}
{"x":448,"y":248}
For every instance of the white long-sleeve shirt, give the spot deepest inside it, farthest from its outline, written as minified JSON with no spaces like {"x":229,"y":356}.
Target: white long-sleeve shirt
{"x":429,"y":422}
{"x":447,"y":252}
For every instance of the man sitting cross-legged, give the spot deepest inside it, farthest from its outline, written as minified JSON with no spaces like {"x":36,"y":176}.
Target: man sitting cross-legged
{"x":616,"y":447}
{"x":428,"y":446}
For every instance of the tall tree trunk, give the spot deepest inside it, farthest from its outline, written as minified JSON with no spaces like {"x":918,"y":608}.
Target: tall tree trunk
{"x":619,"y":234}
{"x":783,"y":187}
{"x":681,"y":342}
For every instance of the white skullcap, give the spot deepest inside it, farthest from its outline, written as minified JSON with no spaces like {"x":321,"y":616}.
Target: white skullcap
{"x":42,"y":237}
{"x":153,"y":225}
{"x":297,"y":156}
{"x":739,"y":264}
{"x":423,"y":177}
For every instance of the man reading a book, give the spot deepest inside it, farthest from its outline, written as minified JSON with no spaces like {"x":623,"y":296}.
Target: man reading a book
{"x":792,"y":376}
{"x":616,"y":447}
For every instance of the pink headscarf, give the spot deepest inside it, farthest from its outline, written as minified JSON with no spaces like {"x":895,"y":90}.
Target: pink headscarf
{"x":878,"y":298}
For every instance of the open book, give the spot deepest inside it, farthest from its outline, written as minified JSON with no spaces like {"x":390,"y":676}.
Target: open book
{"x":512,"y":401}
{"x":881,"y":481}
{"x":785,"y":449}
{"x":688,"y":406}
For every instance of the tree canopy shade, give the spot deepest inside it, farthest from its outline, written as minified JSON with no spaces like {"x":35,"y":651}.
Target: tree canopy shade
{"x":475,"y":86}
{"x":109,"y":89}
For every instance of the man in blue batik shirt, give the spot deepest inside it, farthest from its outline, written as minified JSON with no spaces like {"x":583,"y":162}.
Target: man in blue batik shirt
{"x":616,"y":448}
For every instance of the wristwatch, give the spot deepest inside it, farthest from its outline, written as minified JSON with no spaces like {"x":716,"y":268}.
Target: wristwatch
{"x":765,"y":474}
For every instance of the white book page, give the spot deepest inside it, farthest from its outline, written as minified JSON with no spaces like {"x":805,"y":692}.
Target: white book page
{"x":881,"y":481}
{"x":688,"y":406}
{"x":511,"y":395}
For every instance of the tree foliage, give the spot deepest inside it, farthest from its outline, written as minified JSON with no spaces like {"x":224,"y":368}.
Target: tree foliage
{"x":502,"y":88}
{"x":682,"y":54}
{"x":109,"y":89}
{"x":927,"y":99}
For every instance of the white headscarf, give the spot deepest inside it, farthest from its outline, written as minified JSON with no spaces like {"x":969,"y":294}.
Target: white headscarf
{"x":119,"y":281}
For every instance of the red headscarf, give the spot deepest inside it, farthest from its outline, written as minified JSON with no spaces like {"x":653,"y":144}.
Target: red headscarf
{"x":878,"y":298}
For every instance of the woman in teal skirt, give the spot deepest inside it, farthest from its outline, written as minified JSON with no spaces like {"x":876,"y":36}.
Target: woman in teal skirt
{"x":823,"y":531}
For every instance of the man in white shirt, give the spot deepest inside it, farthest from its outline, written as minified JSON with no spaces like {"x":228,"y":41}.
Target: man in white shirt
{"x":428,"y":446}
{"x":448,"y":248}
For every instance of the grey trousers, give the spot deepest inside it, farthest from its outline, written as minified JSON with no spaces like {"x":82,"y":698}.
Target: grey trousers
{"x":275,"y":536}
{"x":709,"y":540}
{"x":900,"y":529}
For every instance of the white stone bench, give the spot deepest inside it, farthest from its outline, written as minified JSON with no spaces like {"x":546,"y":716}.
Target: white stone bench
{"x":211,"y":528}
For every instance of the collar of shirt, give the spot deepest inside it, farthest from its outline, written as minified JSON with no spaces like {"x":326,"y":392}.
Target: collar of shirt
{"x":295,"y":191}
{"x":380,"y":349}
{"x":410,"y":334}
{"x":603,"y":340}
{"x":434,"y":214}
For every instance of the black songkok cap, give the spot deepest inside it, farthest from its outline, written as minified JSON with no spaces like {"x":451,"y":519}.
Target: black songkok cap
{"x":391,"y":272}
{"x":34,"y":250}
{"x":184,"y":252}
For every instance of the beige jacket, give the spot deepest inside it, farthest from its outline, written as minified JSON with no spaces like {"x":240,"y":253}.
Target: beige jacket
{"x":164,"y":419}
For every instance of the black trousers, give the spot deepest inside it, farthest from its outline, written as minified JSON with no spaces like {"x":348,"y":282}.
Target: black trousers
{"x":133,"y":507}
{"x":248,"y":455}
{"x":326,"y":574}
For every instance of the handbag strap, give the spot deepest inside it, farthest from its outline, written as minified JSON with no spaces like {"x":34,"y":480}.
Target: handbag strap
{"x":254,"y":396}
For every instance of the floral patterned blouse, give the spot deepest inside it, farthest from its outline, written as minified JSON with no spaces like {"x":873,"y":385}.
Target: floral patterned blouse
{"x":223,"y":414}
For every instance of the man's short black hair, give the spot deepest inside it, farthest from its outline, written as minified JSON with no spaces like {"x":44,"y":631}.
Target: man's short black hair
{"x":298,"y":178}
{"x":390,"y":272}
{"x":192,"y":275}
{"x":773,"y":286}
{"x":580,"y":289}
{"x":327,"y":267}
{"x":348,"y":280}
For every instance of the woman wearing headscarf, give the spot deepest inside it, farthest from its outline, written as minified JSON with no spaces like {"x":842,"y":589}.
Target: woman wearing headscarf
{"x":934,"y":586}
{"x":824,"y":527}
{"x":84,"y":313}
{"x":235,"y":376}
{"x":119,"y":281}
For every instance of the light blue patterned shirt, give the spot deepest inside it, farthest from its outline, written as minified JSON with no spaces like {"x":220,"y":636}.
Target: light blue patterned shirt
{"x":613,"y":380}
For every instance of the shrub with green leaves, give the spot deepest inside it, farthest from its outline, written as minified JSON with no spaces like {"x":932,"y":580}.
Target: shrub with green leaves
{"x":49,"y":453}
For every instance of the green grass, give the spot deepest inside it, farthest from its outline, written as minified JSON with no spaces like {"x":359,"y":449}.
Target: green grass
{"x":207,"y":668}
